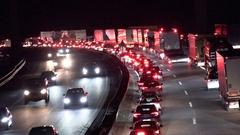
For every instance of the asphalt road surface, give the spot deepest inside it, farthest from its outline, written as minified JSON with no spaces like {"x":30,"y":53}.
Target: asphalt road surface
{"x":67,"y":121}
{"x":189,"y":108}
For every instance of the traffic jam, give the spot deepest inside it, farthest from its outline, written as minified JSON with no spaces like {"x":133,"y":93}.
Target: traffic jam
{"x":146,"y":118}
{"x":147,"y":115}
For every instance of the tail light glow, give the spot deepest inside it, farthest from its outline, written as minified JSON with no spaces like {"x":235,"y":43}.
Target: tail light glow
{"x":136,"y":115}
{"x":155,"y":113}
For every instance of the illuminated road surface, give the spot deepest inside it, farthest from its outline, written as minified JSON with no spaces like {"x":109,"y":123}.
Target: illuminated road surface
{"x":67,"y":121}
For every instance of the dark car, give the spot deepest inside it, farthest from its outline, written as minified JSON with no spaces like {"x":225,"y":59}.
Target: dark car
{"x":35,"y":89}
{"x":151,"y":85}
{"x":5,"y":117}
{"x":92,"y":69}
{"x":146,"y":112}
{"x":43,"y":130}
{"x":75,"y":97}
{"x":149,"y":127}
{"x":50,"y":76}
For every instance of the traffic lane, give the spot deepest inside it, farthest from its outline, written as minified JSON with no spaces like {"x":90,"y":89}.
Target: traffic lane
{"x":177,"y":118}
{"x":208,"y":114}
{"x":67,"y":121}
{"x":124,"y":116}
{"x":36,"y":114}
{"x":96,"y":101}
{"x":211,"y":117}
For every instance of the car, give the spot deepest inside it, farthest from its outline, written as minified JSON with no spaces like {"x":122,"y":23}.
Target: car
{"x":63,"y":52}
{"x":146,"y":127}
{"x":146,"y":112}
{"x":151,"y":85}
{"x":35,"y":89}
{"x":143,"y":79}
{"x":43,"y":130}
{"x":6,"y":118}
{"x":50,"y":76}
{"x":92,"y":69}
{"x":150,"y":99}
{"x":75,"y":97}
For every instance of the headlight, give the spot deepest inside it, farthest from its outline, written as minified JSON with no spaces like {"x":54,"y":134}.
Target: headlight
{"x":4,"y":119}
{"x":43,"y":91}
{"x":26,"y":92}
{"x":66,"y":101}
{"x":54,"y":78}
{"x":67,"y":50}
{"x":67,"y":63}
{"x":60,"y":51}
{"x":49,"y":55}
{"x":97,"y":70}
{"x":84,"y":71}
{"x":83,"y":99}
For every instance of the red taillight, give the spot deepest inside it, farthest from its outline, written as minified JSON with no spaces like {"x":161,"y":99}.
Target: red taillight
{"x":148,"y":72}
{"x":140,"y":84}
{"x":144,"y":88}
{"x":141,"y":69}
{"x":140,"y":133}
{"x":169,"y":62}
{"x":155,"y":113}
{"x":136,"y":115}
{"x":159,"y":86}
{"x":157,"y":132}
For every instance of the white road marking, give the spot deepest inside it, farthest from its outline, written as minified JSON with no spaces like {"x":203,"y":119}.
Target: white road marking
{"x":174,"y":76}
{"x":180,"y":83}
{"x":203,"y":68}
{"x":161,"y":65}
{"x":168,"y":69}
{"x":194,"y":121}
{"x":186,"y":93}
{"x":190,"y":104}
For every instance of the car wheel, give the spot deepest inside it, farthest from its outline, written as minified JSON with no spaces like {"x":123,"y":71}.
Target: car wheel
{"x":25,"y":102}
{"x":47,"y":100}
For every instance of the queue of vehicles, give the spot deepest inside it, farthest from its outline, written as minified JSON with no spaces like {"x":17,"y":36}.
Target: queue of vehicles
{"x":147,"y":114}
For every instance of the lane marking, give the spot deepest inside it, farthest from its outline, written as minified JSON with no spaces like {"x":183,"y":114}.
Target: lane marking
{"x":190,"y":104}
{"x":203,"y":68}
{"x":161,"y":65}
{"x":194,"y":121}
{"x":186,"y":93}
{"x":180,"y":83}
{"x":168,"y":70}
{"x":174,"y":76}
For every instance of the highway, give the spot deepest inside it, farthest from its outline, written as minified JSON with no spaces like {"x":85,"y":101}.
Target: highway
{"x":67,"y":121}
{"x":189,"y":108}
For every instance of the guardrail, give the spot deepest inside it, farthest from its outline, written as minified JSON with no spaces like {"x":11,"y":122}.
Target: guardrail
{"x":106,"y":117}
{"x":12,"y":73}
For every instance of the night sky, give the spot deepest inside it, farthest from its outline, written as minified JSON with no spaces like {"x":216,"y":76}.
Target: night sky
{"x":31,"y":16}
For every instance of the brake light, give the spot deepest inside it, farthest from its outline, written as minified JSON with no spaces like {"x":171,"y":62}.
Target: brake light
{"x":156,"y":76}
{"x":148,"y":72}
{"x":141,"y":69}
{"x":140,"y":84}
{"x":140,"y":133}
{"x":136,"y":115}
{"x":144,"y":88}
{"x":159,"y":86}
{"x":169,"y":62}
{"x":155,"y":113}
{"x":157,"y":132}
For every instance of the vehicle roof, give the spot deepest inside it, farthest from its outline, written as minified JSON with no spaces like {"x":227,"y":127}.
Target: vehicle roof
{"x":75,"y":90}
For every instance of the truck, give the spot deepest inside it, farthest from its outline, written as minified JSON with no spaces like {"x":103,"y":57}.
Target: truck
{"x":171,"y":49}
{"x":195,"y":50}
{"x":228,"y":65}
{"x":212,"y":45}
